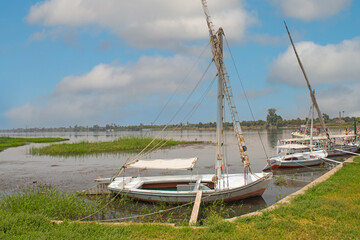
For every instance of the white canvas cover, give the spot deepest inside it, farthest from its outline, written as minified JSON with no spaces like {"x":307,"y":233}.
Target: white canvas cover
{"x":293,"y":146}
{"x":170,"y":164}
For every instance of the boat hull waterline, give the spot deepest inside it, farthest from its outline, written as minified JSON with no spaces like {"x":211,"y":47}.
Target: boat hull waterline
{"x":305,"y":159}
{"x":236,"y":190}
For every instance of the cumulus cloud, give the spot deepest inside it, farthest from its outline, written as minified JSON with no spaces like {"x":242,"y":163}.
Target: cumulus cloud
{"x":340,"y":98}
{"x":333,"y":63}
{"x":105,"y":93}
{"x":311,"y":9}
{"x":143,"y":23}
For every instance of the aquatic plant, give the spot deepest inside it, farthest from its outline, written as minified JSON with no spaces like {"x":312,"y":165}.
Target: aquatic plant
{"x":123,"y":144}
{"x":7,"y":142}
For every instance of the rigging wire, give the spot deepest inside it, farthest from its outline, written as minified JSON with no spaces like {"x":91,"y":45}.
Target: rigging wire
{"x":186,"y":118}
{"x":178,"y":87}
{"x":247,"y":100}
{"x":141,"y":153}
{"x":164,"y":128}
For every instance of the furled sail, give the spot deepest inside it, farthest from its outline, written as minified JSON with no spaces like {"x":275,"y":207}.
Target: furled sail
{"x":168,"y":164}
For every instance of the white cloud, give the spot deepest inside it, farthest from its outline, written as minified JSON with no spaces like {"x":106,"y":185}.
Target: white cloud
{"x":311,"y":9}
{"x":160,"y":23}
{"x":37,"y":36}
{"x":105,"y":93}
{"x":340,"y":98}
{"x":333,"y":63}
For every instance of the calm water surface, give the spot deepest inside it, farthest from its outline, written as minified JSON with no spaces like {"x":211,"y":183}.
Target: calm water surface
{"x":19,"y":169}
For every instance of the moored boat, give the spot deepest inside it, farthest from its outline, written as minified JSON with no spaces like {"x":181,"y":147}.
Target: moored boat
{"x":183,"y":188}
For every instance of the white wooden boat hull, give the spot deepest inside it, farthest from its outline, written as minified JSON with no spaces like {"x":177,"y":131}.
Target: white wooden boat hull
{"x":305,"y":159}
{"x":236,"y":190}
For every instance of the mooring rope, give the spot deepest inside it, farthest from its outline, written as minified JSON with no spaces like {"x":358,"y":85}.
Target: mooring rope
{"x":153,"y":213}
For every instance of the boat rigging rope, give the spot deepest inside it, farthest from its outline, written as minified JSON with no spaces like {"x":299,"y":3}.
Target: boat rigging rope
{"x":102,"y":208}
{"x":187,"y":117}
{"x":247,"y":100}
{"x":178,"y":87}
{"x":135,"y":158}
{"x":153,"y":213}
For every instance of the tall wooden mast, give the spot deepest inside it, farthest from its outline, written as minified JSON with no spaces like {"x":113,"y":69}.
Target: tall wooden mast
{"x":224,"y":88}
{"x":312,"y":92}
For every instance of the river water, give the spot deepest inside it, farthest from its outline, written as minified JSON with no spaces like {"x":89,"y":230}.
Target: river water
{"x":20,"y":170}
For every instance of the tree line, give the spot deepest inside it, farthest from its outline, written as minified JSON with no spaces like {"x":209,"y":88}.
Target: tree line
{"x":273,"y":120}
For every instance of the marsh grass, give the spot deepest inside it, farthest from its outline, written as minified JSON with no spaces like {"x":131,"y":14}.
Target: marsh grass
{"x":49,"y":202}
{"x":7,"y":142}
{"x":330,"y":210}
{"x":125,"y":144}
{"x":125,"y":207}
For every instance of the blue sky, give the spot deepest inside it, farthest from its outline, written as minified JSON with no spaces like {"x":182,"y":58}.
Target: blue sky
{"x":90,"y":62}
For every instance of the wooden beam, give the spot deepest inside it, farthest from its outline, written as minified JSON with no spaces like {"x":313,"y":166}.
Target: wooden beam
{"x":195,"y":211}
{"x":327,"y":159}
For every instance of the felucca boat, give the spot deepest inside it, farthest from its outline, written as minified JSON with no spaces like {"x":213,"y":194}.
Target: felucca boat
{"x":309,"y":152}
{"x":183,"y":188}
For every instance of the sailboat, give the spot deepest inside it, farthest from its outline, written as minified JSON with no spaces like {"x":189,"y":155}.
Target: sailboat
{"x":331,"y":143}
{"x":306,"y":153}
{"x":183,"y":188}
{"x":297,"y":155}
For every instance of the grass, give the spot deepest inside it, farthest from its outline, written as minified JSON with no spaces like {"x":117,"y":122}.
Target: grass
{"x":49,"y":202}
{"x":125,"y":144}
{"x":330,"y":210}
{"x":8,"y":142}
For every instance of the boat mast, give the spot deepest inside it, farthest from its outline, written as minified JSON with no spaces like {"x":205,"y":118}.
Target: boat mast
{"x":216,"y":48}
{"x":312,"y":93}
{"x":219,"y":162}
{"x":224,"y":88}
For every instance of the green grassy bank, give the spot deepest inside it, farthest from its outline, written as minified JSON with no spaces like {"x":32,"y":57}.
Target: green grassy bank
{"x":8,"y":142}
{"x":125,"y":144}
{"x":330,"y":210}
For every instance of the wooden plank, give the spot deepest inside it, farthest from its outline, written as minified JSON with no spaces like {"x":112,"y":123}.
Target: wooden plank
{"x":327,"y":159}
{"x":197,"y":185}
{"x":196,"y":208}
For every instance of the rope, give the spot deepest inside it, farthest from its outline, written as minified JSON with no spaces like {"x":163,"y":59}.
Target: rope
{"x":172,"y":96}
{"x":100,"y":209}
{"x":188,"y":116}
{"x":153,"y":213}
{"x":157,"y":136}
{"x":247,"y":100}
{"x":141,"y":152}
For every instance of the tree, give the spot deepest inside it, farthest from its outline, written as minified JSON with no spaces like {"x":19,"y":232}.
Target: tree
{"x":325,"y":117}
{"x":273,"y":119}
